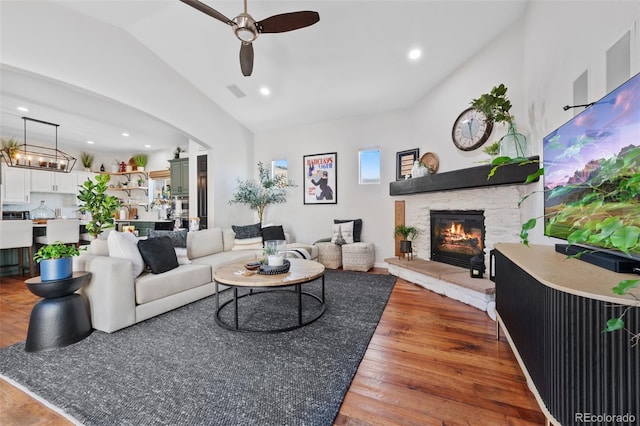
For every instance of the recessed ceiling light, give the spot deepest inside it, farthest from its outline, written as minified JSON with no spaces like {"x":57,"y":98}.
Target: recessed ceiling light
{"x":23,"y":109}
{"x":90,"y":142}
{"x":147,"y":146}
{"x":265,"y":91}
{"x":414,"y":54}
{"x":125,"y":134}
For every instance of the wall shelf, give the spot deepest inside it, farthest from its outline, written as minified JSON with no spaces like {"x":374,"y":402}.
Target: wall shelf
{"x":474,"y":177}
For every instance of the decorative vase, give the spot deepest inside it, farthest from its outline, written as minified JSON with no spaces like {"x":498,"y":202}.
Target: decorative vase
{"x":56,"y":269}
{"x":513,"y":144}
{"x":42,"y":212}
{"x":415,"y":170}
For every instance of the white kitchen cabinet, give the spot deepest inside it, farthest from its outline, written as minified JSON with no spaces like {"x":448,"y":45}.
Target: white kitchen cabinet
{"x":61,"y":183}
{"x":16,"y":185}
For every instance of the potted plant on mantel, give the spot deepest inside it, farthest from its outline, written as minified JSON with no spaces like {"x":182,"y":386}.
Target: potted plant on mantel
{"x":55,"y":260}
{"x":101,"y":206}
{"x":407,"y":233}
{"x":496,"y":107}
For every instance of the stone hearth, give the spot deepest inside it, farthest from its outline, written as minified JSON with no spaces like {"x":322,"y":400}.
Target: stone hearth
{"x":448,"y":280}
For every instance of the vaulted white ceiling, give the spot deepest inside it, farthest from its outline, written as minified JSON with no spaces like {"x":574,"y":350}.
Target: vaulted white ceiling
{"x":353,"y":62}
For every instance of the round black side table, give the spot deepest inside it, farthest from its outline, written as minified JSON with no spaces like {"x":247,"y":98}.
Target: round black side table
{"x":62,"y":317}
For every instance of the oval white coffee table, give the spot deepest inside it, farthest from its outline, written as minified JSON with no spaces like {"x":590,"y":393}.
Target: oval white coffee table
{"x":236,"y":276}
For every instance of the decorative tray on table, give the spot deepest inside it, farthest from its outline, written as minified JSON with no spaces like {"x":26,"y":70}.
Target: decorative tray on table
{"x":274,"y":270}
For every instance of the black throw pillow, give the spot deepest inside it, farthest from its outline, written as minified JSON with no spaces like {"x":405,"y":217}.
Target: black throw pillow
{"x":357,"y":227}
{"x":178,"y":238}
{"x":159,"y":254}
{"x":273,"y":233}
{"x":247,"y":231}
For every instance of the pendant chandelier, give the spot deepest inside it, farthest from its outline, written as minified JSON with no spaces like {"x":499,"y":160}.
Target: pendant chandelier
{"x":28,"y":156}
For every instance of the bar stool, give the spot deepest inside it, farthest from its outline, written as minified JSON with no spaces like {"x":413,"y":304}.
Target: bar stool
{"x":66,"y":231}
{"x":18,"y":234}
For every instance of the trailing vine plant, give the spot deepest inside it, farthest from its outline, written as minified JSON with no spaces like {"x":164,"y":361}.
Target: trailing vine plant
{"x":611,"y":186}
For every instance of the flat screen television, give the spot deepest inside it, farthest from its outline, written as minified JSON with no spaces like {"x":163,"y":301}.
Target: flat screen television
{"x":592,"y":175}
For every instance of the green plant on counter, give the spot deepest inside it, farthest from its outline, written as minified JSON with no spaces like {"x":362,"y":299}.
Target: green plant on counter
{"x":140,"y":159}
{"x":100,"y":205}
{"x":407,"y":232}
{"x":86,"y":159}
{"x":57,"y":250}
{"x":10,"y":146}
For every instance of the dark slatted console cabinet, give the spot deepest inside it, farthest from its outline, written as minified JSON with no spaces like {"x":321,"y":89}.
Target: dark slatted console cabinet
{"x":552,"y":311}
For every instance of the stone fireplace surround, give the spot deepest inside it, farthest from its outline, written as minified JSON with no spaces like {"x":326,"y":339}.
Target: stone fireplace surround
{"x":466,"y":189}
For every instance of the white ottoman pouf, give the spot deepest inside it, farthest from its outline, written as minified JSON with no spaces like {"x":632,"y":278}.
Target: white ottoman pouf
{"x":330,"y":255}
{"x":358,"y":257}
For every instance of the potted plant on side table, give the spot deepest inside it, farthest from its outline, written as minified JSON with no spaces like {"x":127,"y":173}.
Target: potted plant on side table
{"x":407,"y":233}
{"x":55,"y":261}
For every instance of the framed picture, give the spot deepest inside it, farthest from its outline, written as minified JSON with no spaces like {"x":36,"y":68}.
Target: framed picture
{"x":320,"y":178}
{"x":404,"y":162}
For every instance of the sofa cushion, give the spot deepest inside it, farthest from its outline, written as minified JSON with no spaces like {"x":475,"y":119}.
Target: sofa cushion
{"x":181,"y":254}
{"x":220,"y":259}
{"x":342,"y":233}
{"x":178,"y":238}
{"x":204,"y":242}
{"x":247,"y":231}
{"x":274,"y":232}
{"x":248,"y":244}
{"x":158,"y":254}
{"x":150,"y":287}
{"x":357,"y":227}
{"x":124,"y":245}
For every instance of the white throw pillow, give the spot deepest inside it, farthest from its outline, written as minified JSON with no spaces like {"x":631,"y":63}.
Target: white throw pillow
{"x":342,"y":233}
{"x":124,"y":245}
{"x":248,"y":244}
{"x":181,"y":254}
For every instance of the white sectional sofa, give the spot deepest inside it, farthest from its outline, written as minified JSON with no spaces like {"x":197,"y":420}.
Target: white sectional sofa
{"x":117,"y":299}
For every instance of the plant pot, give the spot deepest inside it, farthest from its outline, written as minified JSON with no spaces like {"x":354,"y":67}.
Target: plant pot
{"x":56,"y":269}
{"x":405,"y":246}
{"x":140,"y":168}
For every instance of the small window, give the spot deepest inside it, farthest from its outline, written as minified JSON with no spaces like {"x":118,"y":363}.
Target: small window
{"x":279,"y":167}
{"x":369,"y":165}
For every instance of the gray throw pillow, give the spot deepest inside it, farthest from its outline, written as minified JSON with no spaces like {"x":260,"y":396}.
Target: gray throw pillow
{"x":178,"y":238}
{"x":247,"y":231}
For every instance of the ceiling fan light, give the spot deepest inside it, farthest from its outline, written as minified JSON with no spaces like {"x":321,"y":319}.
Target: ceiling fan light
{"x":245,"y":34}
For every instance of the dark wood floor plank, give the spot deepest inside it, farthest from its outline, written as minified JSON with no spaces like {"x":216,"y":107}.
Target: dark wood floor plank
{"x":432,"y":361}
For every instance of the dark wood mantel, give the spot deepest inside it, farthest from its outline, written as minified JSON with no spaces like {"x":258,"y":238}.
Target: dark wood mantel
{"x":474,"y":177}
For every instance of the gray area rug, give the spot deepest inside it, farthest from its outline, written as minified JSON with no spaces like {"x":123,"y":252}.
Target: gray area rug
{"x":182,"y":368}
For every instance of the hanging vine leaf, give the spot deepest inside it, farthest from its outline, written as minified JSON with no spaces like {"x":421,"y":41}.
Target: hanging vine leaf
{"x":624,"y":286}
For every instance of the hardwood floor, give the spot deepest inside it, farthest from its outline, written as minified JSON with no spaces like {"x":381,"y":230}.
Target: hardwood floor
{"x":431,"y":361}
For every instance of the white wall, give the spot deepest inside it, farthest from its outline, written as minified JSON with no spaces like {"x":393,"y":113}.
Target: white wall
{"x":48,"y":39}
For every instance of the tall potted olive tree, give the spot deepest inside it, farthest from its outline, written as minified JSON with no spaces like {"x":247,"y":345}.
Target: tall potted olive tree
{"x":258,"y":195}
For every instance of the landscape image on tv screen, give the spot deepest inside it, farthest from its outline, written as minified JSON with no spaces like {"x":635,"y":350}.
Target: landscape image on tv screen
{"x":592,"y":174}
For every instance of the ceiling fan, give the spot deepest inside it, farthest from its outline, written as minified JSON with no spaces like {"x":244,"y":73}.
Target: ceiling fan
{"x":247,"y":29}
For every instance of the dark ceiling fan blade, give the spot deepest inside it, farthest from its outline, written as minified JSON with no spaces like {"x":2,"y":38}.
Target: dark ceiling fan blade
{"x":287,"y":22}
{"x":246,"y":59}
{"x":208,"y":10}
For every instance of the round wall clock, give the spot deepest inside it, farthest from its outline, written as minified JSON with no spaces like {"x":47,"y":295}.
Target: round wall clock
{"x":471,"y":129}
